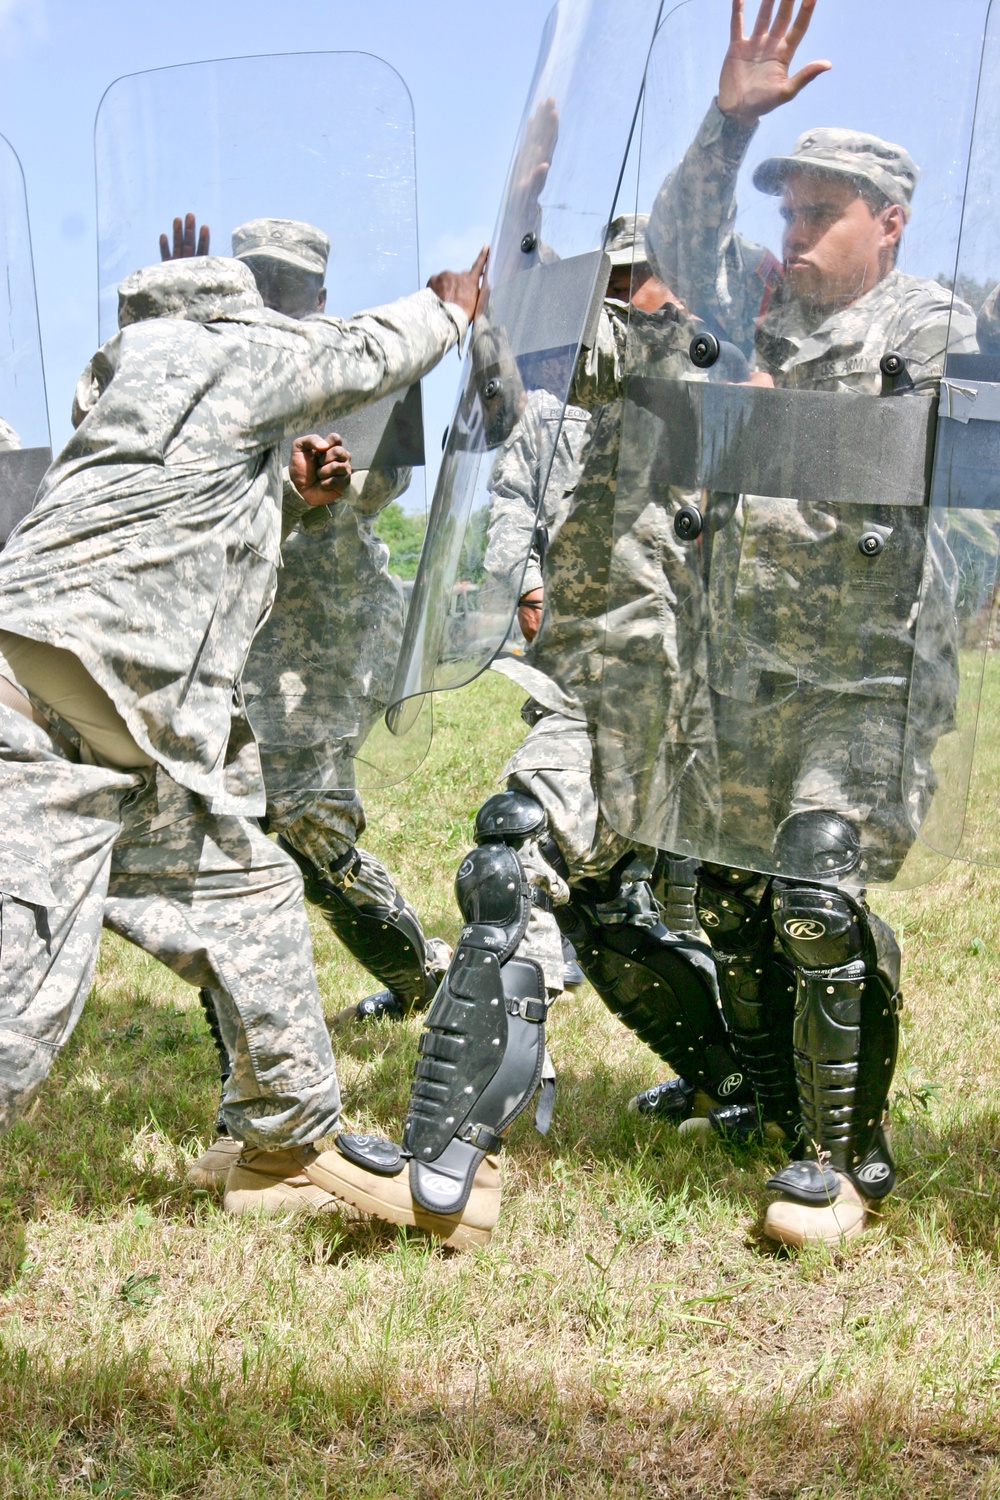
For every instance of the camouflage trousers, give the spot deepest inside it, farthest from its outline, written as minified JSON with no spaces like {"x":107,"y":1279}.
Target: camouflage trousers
{"x":325,"y":827}
{"x":210,"y":896}
{"x":797,"y":749}
{"x":554,"y":764}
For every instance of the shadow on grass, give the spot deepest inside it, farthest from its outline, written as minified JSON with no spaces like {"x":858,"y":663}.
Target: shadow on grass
{"x":119,"y":1424}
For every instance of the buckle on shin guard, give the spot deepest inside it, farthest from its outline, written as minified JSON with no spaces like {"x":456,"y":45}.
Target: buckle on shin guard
{"x":527,"y":1009}
{"x":806,"y":1182}
{"x":482,"y":1137}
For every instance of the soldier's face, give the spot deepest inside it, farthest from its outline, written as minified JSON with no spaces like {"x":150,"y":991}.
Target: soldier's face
{"x":286,"y":289}
{"x":835,"y":246}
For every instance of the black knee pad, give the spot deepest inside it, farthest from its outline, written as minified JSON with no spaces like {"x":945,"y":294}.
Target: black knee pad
{"x":509,"y":818}
{"x":483,"y":1044}
{"x":816,"y":845}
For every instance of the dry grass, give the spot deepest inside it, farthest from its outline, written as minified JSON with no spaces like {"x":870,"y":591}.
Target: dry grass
{"x":626,"y":1333}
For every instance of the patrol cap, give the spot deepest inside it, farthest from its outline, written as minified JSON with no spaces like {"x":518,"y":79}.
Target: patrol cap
{"x":625,"y":239}
{"x":288,"y":240}
{"x":845,"y":153}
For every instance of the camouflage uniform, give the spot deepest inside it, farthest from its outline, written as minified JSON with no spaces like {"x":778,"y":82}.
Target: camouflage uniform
{"x":151,"y":556}
{"x":811,"y":684}
{"x":811,"y":663}
{"x":645,"y":577}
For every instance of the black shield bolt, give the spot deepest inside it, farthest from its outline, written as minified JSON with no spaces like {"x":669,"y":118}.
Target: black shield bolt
{"x":688,"y":523}
{"x":704,"y":350}
{"x":892,"y":365}
{"x":493,"y":387}
{"x":871,"y":544}
{"x":529,"y":242}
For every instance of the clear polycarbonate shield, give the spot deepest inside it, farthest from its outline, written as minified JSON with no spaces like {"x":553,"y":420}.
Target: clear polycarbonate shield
{"x":25,"y":451}
{"x":963,"y":819}
{"x":800,"y":647}
{"x":324,"y":139}
{"x":545,"y":282}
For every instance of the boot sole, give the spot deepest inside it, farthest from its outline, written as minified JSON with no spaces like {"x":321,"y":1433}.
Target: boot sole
{"x":452,"y":1232}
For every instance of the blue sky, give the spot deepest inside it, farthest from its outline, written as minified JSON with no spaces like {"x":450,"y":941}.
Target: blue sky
{"x":468,"y":69}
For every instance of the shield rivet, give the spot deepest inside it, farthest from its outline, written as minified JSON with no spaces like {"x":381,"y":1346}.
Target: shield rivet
{"x":529,"y":242}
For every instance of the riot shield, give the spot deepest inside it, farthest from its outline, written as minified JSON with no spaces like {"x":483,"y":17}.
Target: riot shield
{"x":324,"y":142}
{"x":809,"y":650}
{"x":546,"y":279}
{"x":25,"y":451}
{"x":962,"y":820}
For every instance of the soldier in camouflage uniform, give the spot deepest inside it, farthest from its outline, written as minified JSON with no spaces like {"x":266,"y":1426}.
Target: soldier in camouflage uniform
{"x":586,"y":878}
{"x":130,"y":597}
{"x":810,"y":685}
{"x":546,"y":838}
{"x":316,"y":682}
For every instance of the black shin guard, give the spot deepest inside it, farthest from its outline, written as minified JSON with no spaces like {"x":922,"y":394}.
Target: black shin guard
{"x":386,"y":940}
{"x":846,"y":1023}
{"x":756,"y":987}
{"x":483,"y":1045}
{"x":661,"y":986}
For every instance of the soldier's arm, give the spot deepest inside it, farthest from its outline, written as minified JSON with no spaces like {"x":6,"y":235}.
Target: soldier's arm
{"x":514,"y":496}
{"x":691,"y":239}
{"x":371,"y":490}
{"x":307,"y":374}
{"x":928,"y":328}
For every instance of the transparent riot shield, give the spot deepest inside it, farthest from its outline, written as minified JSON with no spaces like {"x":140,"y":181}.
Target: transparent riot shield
{"x":963,"y":819}
{"x":806,"y":650}
{"x":546,"y":279}
{"x":25,"y":451}
{"x":325,"y":140}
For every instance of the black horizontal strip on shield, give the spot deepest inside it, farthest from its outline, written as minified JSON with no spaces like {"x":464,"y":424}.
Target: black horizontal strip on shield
{"x":823,"y":446}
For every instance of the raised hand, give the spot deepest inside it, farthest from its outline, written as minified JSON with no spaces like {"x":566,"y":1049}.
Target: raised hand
{"x":531,"y":168}
{"x":320,"y":468}
{"x":462,"y":287}
{"x":755,"y":75}
{"x":184,"y":241}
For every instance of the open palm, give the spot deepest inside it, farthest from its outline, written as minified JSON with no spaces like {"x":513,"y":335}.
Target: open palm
{"x":755,"y":76}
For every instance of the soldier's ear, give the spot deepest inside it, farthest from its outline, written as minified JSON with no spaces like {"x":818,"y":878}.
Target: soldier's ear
{"x":321,"y":299}
{"x":893,"y":224}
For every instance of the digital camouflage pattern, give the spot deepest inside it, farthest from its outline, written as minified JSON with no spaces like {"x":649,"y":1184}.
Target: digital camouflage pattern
{"x":635,"y":599}
{"x":152,"y":549}
{"x":793,"y":603}
{"x":209,"y":895}
{"x":320,"y":669}
{"x":9,"y":440}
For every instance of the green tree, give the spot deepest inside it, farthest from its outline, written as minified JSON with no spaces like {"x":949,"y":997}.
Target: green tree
{"x":403,"y":534}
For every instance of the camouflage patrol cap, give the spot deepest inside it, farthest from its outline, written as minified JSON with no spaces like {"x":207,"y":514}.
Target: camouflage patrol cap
{"x":845,"y":153}
{"x":297,"y":244}
{"x":625,"y":239}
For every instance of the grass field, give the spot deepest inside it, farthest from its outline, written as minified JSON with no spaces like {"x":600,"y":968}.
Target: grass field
{"x":627,"y":1332}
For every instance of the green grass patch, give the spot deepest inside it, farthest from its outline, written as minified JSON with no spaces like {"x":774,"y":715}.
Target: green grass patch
{"x":626,"y":1334}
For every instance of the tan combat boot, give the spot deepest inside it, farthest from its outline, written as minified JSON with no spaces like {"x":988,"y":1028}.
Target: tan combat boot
{"x":275,"y":1182}
{"x":212,"y":1167}
{"x":840,"y":1218}
{"x":389,"y":1198}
